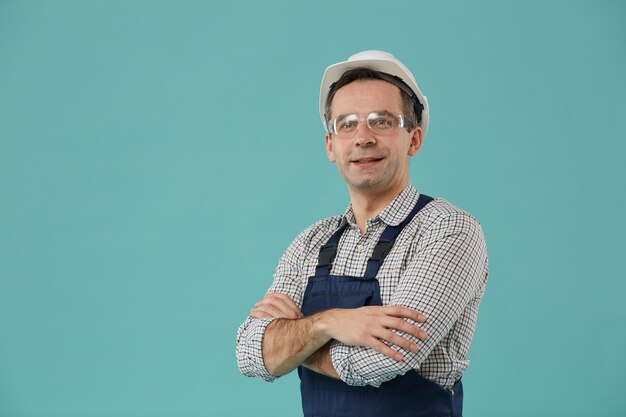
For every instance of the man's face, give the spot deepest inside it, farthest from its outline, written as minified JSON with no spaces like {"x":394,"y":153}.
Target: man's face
{"x":371,"y":163}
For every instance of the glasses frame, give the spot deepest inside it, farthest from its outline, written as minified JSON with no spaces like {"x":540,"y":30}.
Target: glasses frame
{"x":403,"y":123}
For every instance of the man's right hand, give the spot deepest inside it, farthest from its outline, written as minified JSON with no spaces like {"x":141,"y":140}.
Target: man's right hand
{"x":276,"y":305}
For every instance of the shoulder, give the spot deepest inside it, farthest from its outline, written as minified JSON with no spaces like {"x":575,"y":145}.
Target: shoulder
{"x":319,"y":231}
{"x":440,"y":217}
{"x":314,"y":236}
{"x":440,"y":209}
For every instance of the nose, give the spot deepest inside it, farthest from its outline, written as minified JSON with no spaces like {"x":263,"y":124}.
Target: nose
{"x":364,"y":135}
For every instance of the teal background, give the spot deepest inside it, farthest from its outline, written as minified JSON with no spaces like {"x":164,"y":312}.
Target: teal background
{"x":156,"y":158}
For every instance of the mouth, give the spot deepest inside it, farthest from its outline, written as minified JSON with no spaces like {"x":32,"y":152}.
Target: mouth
{"x":366,"y":161}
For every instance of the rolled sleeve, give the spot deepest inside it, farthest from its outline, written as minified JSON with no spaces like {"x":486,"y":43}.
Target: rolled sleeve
{"x":250,"y":348}
{"x":288,"y":279}
{"x":359,"y":366}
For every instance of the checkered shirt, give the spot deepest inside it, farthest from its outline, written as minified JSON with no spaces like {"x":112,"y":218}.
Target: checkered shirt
{"x":438,"y":265}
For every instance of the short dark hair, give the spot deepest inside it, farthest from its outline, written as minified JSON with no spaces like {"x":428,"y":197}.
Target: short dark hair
{"x":411,"y":107}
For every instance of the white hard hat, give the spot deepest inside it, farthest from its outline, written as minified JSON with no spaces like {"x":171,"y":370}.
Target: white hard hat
{"x":378,"y":61}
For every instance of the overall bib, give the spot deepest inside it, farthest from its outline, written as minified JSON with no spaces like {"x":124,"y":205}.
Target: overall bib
{"x":408,"y":395}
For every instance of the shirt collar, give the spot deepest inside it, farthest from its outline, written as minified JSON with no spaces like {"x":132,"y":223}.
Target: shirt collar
{"x":394,"y":213}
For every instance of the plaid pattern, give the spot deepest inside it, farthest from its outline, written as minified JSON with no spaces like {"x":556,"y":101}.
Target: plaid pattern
{"x":438,"y":266}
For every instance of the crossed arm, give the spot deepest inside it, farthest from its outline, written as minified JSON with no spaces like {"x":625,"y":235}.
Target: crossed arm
{"x":294,"y":340}
{"x":444,"y":279}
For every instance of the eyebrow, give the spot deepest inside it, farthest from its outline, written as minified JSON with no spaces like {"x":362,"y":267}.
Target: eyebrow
{"x":381,"y":112}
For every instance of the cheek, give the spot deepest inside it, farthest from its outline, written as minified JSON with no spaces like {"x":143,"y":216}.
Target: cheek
{"x":331,"y":156}
{"x":406,"y":148}
{"x":337,"y":151}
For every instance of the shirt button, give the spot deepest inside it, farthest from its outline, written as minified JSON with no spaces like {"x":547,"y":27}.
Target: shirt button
{"x":360,"y":247}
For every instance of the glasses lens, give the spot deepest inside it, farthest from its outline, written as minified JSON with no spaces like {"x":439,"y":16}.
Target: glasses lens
{"x":382,"y":123}
{"x":346,"y":125}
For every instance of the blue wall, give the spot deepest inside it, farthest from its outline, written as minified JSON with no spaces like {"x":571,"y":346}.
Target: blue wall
{"x":156,"y":158}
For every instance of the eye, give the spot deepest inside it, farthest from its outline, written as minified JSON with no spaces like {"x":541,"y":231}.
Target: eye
{"x":383,"y":122}
{"x":346,"y":124}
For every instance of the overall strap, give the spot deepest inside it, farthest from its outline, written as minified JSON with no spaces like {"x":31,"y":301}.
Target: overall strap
{"x":328,"y":252}
{"x":388,"y":238}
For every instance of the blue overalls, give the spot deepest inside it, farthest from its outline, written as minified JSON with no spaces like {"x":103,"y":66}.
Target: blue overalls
{"x":408,"y":395}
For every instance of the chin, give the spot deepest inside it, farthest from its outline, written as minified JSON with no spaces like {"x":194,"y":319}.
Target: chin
{"x":367,"y":184}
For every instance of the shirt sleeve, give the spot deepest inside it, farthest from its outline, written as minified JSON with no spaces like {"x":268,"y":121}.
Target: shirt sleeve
{"x":249,"y":348}
{"x":445,"y":272}
{"x":288,"y":281}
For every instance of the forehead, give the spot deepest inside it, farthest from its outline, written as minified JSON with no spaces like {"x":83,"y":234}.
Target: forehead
{"x":364,"y":96}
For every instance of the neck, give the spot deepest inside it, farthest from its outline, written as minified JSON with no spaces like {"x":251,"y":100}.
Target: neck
{"x":366,"y":205}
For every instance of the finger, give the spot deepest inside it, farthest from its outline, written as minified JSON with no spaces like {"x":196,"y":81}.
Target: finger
{"x":280,"y":296}
{"x":380,"y":347}
{"x":404,"y":326}
{"x":271,"y":310}
{"x":283,"y":304}
{"x":280,"y":310}
{"x":284,"y":301}
{"x":398,"y":340}
{"x":399,"y":311}
{"x":258,"y":314}
{"x":279,"y":301}
{"x":277,"y":311}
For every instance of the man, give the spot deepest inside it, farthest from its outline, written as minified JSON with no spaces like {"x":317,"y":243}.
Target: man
{"x":377,"y":307}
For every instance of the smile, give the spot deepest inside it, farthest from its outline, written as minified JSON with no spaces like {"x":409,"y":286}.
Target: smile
{"x":366,"y":160}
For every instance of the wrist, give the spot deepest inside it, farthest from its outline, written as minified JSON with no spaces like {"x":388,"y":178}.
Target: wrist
{"x":321,"y":324}
{"x":321,"y":362}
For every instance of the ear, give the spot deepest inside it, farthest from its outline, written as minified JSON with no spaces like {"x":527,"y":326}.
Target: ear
{"x":417,"y":136}
{"x":329,"y":147}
